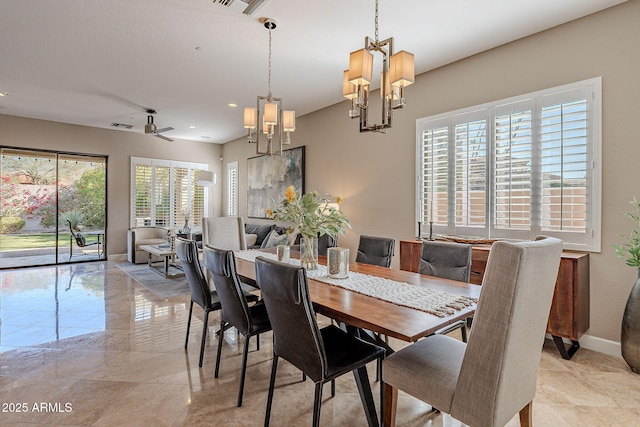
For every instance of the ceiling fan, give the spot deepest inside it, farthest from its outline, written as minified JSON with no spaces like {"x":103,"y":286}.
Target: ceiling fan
{"x":150,"y":127}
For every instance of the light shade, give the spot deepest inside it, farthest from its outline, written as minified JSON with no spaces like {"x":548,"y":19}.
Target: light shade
{"x":360,"y":67}
{"x":348,"y":89}
{"x":250,"y":119}
{"x":288,"y":120}
{"x":401,"y":69}
{"x":270,"y":113}
{"x":206,"y":178}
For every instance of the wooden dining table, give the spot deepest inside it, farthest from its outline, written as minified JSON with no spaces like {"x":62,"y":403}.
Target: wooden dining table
{"x":384,"y":317}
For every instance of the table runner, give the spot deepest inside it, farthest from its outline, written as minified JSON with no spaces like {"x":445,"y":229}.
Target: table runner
{"x":437,"y":303}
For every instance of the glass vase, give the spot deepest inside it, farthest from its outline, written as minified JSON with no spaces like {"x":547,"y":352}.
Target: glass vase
{"x":309,"y":253}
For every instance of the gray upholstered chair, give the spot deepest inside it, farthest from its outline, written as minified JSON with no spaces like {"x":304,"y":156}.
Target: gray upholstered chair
{"x":492,"y":378}
{"x":375,"y":250}
{"x":325,"y":242}
{"x":322,"y":354}
{"x":248,"y":320}
{"x":139,"y":236}
{"x":448,"y":260}
{"x":224,"y":232}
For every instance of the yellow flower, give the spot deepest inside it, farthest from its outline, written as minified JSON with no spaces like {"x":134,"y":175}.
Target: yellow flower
{"x":269,"y":213}
{"x":290,"y":193}
{"x":339,"y":200}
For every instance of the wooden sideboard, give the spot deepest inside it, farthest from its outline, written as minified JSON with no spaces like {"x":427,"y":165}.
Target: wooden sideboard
{"x":569,"y":316}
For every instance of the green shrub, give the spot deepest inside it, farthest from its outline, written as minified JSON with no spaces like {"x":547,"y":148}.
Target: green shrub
{"x":11,"y":224}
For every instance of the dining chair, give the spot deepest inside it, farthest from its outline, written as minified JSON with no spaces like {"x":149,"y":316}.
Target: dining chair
{"x":493,"y":377}
{"x":325,"y":242}
{"x":81,"y":241}
{"x":224,"y":232}
{"x":187,"y":253}
{"x":376,"y":250}
{"x":322,"y":354}
{"x":448,"y":260}
{"x":248,"y":320}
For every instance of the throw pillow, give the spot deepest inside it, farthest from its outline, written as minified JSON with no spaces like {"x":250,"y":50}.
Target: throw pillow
{"x":275,"y":239}
{"x":260,"y":230}
{"x":251,"y":239}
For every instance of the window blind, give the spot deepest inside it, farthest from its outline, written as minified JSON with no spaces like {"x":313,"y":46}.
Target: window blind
{"x":232,"y":189}
{"x":516,"y":168}
{"x":164,"y":193}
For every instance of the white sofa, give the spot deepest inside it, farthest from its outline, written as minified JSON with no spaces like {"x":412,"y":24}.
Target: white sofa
{"x":139,"y":236}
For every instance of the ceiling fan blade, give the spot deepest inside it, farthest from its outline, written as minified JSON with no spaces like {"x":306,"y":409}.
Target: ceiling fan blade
{"x":163,"y":137}
{"x":164,"y":130}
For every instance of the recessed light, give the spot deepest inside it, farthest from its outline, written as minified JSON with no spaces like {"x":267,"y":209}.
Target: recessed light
{"x":4,"y":93}
{"x":232,"y":105}
{"x":205,"y":137}
{"x":192,"y":127}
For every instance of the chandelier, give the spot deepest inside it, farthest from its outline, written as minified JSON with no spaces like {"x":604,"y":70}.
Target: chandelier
{"x":397,"y":73}
{"x":268,"y":118}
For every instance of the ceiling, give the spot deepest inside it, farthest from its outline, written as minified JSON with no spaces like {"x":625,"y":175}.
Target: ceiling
{"x":98,"y":62}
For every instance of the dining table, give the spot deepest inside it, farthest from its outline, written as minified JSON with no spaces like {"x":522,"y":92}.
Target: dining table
{"x":363,"y":314}
{"x":377,"y":315}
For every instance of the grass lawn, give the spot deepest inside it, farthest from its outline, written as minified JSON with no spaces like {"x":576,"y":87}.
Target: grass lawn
{"x":10,"y":242}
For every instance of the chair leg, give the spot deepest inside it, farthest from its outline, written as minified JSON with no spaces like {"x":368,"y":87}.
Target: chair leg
{"x":219,"y":351}
{"x":333,"y":388}
{"x":186,"y":340}
{"x":272,"y":382}
{"x":526,"y":415}
{"x":304,"y":377}
{"x":378,"y":370}
{"x":244,"y":369}
{"x":258,"y":342}
{"x":390,"y":405}
{"x":463,"y":331}
{"x":317,"y":404}
{"x":204,"y":336}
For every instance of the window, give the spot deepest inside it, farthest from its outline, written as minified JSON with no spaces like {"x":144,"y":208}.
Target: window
{"x":164,"y":193}
{"x":516,"y":168}
{"x":232,"y":189}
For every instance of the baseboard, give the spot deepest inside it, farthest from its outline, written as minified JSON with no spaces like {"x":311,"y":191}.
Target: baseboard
{"x":601,"y":345}
{"x":117,"y":257}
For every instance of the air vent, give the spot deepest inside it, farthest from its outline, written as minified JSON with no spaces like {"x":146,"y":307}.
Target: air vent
{"x":248,"y":7}
{"x":121,"y":125}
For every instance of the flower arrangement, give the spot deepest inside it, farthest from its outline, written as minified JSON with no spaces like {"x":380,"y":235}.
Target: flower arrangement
{"x":631,"y":250}
{"x":311,"y":216}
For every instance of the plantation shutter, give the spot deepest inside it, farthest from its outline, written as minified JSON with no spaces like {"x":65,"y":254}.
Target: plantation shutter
{"x":470,"y":174}
{"x":164,"y":193}
{"x":232,"y":189}
{"x":143,"y":196}
{"x":512,"y":165}
{"x":564,"y":166}
{"x":436,"y":175}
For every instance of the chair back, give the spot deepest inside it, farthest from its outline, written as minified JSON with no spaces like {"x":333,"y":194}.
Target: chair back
{"x":225,"y":232}
{"x":325,"y":242}
{"x":187,"y":253}
{"x":296,"y":336}
{"x":375,"y":250}
{"x":498,"y":374}
{"x":79,"y":238}
{"x":221,"y":264}
{"x":448,"y":260}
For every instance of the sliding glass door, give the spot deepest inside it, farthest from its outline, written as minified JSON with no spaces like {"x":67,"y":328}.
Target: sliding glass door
{"x":52,"y":209}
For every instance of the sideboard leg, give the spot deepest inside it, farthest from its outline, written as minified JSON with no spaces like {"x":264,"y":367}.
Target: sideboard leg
{"x":566,"y":353}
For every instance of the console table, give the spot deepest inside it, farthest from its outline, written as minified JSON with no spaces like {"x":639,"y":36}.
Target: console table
{"x":569,"y":316}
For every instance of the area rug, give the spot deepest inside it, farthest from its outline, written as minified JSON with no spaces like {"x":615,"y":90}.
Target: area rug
{"x":155,"y":282}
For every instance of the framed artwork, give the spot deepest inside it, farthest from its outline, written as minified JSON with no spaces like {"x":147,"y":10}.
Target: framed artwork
{"x":269,"y":176}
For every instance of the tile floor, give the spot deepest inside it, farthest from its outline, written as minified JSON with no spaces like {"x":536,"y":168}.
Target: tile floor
{"x":86,"y":345}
